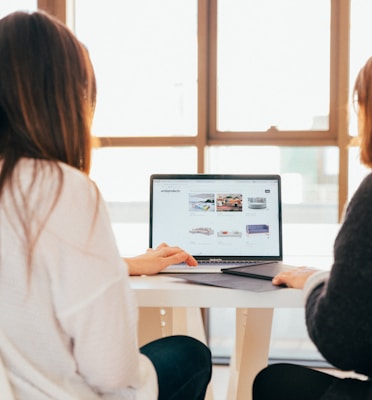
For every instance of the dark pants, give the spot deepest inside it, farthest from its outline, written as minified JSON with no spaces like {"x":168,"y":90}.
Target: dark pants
{"x":183,"y":365}
{"x":290,"y":382}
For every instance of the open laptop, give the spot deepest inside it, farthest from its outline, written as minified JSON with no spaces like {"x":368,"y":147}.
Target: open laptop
{"x":224,"y":221}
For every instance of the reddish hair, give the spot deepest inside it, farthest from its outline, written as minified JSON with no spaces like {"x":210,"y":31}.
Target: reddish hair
{"x":363,"y":94}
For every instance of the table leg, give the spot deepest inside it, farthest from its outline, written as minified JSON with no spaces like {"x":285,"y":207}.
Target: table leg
{"x":253,"y":332}
{"x":149,"y":325}
{"x":155,"y":322}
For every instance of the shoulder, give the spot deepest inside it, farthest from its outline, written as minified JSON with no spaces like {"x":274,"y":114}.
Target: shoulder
{"x":77,"y":183}
{"x":360,"y":202}
{"x":365,"y":186}
{"x":71,"y":185}
{"x":366,"y":183}
{"x":65,"y":191}
{"x":352,"y":243}
{"x":39,"y":182}
{"x":78,"y":193}
{"x":29,"y":170}
{"x":78,"y":214}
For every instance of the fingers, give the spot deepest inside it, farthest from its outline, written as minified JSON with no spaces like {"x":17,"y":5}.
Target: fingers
{"x":163,"y":245}
{"x":190,"y":261}
{"x":176,"y":255}
{"x":277,"y":280}
{"x":179,"y":256}
{"x":281,"y":279}
{"x":294,"y":278}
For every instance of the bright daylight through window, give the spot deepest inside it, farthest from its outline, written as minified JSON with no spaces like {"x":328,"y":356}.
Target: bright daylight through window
{"x":225,"y":86}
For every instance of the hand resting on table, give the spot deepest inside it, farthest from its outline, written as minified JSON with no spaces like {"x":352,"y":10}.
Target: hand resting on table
{"x":294,"y":278}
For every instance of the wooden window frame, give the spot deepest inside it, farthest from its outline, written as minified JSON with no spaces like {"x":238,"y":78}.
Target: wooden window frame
{"x":207,"y":133}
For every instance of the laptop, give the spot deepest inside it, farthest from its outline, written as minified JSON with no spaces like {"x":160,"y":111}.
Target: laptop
{"x":224,"y":220}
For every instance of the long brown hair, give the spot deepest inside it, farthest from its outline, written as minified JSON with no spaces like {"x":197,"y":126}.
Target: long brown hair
{"x":47,"y":92}
{"x":363,"y":95}
{"x":47,"y":99}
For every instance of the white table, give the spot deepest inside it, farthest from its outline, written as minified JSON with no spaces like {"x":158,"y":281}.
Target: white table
{"x":172,"y":306}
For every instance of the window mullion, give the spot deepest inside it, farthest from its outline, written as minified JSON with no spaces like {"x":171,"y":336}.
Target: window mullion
{"x":340,"y":52}
{"x":54,"y":7}
{"x":204,"y":105}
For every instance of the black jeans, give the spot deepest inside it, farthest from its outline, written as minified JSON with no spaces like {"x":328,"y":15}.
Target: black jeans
{"x":294,"y":382}
{"x":290,"y":382}
{"x":183,"y":365}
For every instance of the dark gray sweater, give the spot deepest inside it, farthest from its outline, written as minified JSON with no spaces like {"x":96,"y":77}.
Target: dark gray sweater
{"x":339,"y":311}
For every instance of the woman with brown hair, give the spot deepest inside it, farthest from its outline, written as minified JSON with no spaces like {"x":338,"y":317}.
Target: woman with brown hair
{"x":338,"y":304}
{"x":68,"y":318}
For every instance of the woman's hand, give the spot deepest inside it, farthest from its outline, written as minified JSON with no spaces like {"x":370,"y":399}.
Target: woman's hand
{"x":155,"y":260}
{"x":294,"y":278}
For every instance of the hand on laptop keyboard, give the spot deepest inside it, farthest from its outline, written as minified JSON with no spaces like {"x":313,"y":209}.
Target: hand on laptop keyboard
{"x":155,"y":260}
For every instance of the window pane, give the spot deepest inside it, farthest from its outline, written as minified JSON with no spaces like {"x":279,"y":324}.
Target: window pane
{"x":8,"y":6}
{"x":360,"y":47}
{"x":123,"y":174}
{"x":273,"y":64}
{"x":145,"y":58}
{"x":360,"y":51}
{"x":123,"y":177}
{"x":309,"y":176}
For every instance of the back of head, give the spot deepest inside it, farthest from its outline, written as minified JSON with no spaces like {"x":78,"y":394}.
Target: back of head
{"x":363,"y":95}
{"x":47,"y":92}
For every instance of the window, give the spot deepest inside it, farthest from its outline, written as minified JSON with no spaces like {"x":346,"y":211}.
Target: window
{"x":8,"y":6}
{"x":266,"y":52}
{"x":309,"y":176}
{"x":158,"y":65}
{"x":360,"y":51}
{"x":145,"y":58}
{"x":222,"y":86}
{"x":122,"y":174}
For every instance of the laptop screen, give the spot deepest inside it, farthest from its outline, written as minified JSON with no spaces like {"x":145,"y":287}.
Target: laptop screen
{"x":220,"y":217}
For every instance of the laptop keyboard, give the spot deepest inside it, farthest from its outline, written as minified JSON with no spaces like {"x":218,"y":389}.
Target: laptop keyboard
{"x":237,"y":263}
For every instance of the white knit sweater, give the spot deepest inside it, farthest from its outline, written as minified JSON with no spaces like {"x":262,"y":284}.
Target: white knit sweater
{"x":70,"y":326}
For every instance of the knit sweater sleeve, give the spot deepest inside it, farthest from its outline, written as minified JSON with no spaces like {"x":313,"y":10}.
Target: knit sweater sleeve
{"x":339,"y":309}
